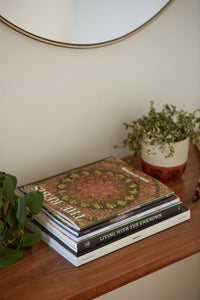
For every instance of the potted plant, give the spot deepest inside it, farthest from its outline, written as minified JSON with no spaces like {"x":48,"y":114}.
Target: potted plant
{"x":162,"y":137}
{"x":15,"y":210}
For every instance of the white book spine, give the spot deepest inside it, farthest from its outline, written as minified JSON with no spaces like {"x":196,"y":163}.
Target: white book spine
{"x":85,"y":258}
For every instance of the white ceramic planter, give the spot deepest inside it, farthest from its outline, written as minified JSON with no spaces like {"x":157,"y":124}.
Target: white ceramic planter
{"x":162,"y":167}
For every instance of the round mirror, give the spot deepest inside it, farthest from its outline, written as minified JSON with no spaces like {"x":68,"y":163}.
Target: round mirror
{"x":79,"y":23}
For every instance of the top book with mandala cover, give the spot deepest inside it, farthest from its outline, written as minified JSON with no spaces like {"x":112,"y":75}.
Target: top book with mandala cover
{"x":97,"y":192}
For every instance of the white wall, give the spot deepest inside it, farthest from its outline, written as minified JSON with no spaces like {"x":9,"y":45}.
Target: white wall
{"x":61,"y":107}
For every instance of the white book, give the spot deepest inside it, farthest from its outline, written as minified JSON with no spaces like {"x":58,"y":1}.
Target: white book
{"x":78,"y":260}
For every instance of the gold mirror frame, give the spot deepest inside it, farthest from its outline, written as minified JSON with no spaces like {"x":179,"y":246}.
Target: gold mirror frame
{"x":83,"y":46}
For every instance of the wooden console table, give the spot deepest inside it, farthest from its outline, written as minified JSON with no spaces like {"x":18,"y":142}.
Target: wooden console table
{"x":43,"y":274}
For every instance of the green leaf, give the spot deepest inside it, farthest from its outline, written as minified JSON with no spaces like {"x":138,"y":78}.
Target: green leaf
{"x":34,"y":202}
{"x":9,"y":256}
{"x":1,"y":194}
{"x":11,"y":233}
{"x":9,"y":186}
{"x":1,"y":226}
{"x":11,"y":216}
{"x":30,"y":239}
{"x":21,"y":210}
{"x":1,"y":202}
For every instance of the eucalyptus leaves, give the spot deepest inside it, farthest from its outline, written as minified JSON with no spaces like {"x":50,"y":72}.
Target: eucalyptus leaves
{"x":163,"y":127}
{"x":15,"y":210}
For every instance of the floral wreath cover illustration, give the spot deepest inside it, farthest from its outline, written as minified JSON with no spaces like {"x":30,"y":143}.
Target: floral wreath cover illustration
{"x":100,"y":190}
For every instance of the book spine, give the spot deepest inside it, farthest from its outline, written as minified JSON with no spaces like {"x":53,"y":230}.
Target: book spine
{"x":76,"y":260}
{"x":52,"y":223}
{"x":126,"y":229}
{"x":107,"y":236}
{"x":135,"y":237}
{"x":107,"y":225}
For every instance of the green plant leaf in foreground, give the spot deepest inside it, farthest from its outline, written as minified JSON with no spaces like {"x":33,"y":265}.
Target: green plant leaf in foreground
{"x":21,"y":210}
{"x":30,"y":239}
{"x":15,"y":210}
{"x":9,"y":186}
{"x":34,"y":202}
{"x":11,"y":217}
{"x":9,"y":256}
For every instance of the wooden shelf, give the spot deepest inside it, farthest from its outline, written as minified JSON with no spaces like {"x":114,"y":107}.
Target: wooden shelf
{"x":43,"y":274}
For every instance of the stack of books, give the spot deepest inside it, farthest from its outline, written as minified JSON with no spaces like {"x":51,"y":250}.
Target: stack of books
{"x":96,"y":209}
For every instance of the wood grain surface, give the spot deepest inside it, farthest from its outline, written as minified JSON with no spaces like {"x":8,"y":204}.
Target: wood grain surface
{"x":43,"y":274}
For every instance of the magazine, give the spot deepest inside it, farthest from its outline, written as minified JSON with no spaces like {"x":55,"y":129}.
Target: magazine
{"x":97,"y":192}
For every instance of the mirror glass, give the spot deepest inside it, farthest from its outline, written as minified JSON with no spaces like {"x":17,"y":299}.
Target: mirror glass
{"x":79,"y":23}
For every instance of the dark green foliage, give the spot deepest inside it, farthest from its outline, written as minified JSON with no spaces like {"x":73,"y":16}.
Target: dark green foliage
{"x":9,"y":256}
{"x":163,"y":127}
{"x":34,"y":202}
{"x":15,"y":210}
{"x":30,"y":239}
